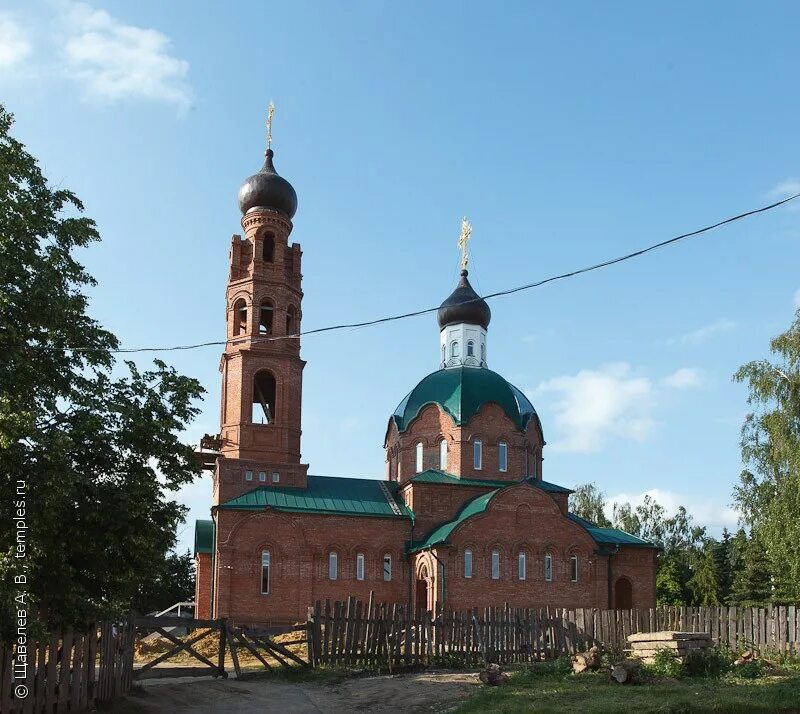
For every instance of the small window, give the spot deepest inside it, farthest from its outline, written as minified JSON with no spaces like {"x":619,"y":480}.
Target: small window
{"x":265,"y":320}
{"x":444,"y":353}
{"x":495,"y":565}
{"x":470,"y":348}
{"x":333,"y":566}
{"x":248,"y":475}
{"x":443,"y":454}
{"x":276,"y":477}
{"x":483,"y":352}
{"x":467,"y":563}
{"x":548,"y":567}
{"x":522,"y":566}
{"x":454,"y":351}
{"x":419,"y":456}
{"x":387,"y":567}
{"x":477,"y":453}
{"x":360,"y":566}
{"x":269,"y":247}
{"x":573,"y":568}
{"x":502,"y":456}
{"x":265,"y":563}
{"x":262,"y":476}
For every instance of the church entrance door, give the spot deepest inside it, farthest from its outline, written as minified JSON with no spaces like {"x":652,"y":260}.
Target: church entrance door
{"x":422,"y":590}
{"x":623,"y":594}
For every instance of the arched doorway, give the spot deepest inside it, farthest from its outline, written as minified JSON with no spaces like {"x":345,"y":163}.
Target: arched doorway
{"x":422,"y":589}
{"x":623,"y":594}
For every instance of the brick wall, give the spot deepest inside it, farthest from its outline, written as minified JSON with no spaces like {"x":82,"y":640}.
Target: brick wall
{"x":202,"y":589}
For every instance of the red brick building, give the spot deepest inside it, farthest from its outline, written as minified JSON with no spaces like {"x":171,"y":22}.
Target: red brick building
{"x":463,"y":517}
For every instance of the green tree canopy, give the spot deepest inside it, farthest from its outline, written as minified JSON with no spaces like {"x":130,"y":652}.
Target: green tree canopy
{"x":768,"y":494}
{"x":588,"y":502}
{"x":87,"y":455}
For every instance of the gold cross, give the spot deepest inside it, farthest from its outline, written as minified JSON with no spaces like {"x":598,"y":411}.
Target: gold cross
{"x":269,"y":124}
{"x":466,"y":232}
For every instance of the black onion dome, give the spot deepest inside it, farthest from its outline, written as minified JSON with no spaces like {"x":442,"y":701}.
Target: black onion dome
{"x":268,"y":190}
{"x":464,"y":305}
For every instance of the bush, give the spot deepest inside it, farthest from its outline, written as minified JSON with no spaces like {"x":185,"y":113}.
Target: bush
{"x":712,"y":663}
{"x":665,"y":664}
{"x":751,"y":670}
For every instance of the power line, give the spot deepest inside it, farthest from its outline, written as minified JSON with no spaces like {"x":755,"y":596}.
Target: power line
{"x":416,"y":313}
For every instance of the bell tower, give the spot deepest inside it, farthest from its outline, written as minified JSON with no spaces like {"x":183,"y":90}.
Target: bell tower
{"x":262,"y":372}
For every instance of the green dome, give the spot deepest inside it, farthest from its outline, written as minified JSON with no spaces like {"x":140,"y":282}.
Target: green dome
{"x":461,"y":392}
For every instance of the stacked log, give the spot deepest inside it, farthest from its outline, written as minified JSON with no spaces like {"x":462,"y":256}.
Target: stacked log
{"x":644,"y":645}
{"x":589,"y":660}
{"x":626,"y":671}
{"x":493,"y":675}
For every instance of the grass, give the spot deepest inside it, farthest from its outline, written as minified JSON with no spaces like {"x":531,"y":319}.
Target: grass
{"x":550,"y":687}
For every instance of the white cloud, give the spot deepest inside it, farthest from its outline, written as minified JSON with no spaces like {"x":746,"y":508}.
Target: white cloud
{"x":715,"y":514}
{"x":788,"y":187}
{"x":597,"y":405}
{"x":684,"y":378}
{"x":702,"y":334}
{"x":113,"y":61}
{"x":14,"y":43}
{"x":594,"y":405}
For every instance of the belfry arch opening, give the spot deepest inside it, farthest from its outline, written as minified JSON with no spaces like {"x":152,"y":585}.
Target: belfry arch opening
{"x":263,"y":398}
{"x":239,"y":317}
{"x":265,"y":318}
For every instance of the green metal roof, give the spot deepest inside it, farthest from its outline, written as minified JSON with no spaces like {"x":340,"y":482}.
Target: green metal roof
{"x":611,"y":536}
{"x":203,"y":537}
{"x":461,"y":392}
{"x":442,"y":477}
{"x":329,"y":495}
{"x":547,"y":486}
{"x":442,"y":533}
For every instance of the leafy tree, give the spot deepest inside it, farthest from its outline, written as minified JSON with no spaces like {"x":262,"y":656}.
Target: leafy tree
{"x":88,"y":456}
{"x":625,"y":518}
{"x":670,"y":588}
{"x":589,"y":502}
{"x":172,"y":582}
{"x":703,"y":584}
{"x":752,"y":581}
{"x":768,"y":494}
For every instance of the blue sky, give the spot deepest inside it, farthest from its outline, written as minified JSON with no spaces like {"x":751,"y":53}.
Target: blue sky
{"x":568,"y":133}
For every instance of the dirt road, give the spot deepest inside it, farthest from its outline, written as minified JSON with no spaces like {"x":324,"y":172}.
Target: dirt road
{"x":421,"y":692}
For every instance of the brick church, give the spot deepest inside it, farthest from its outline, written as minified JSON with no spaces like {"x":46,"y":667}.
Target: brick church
{"x":463,"y":516}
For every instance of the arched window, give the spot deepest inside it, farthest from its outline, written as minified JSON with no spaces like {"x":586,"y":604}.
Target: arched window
{"x":291,"y":320}
{"x":454,"y":351}
{"x":360,"y":566}
{"x":265,"y":318}
{"x":263,"y":398}
{"x":240,"y":317}
{"x":265,"y":565}
{"x":522,"y":566}
{"x":333,"y":566}
{"x":502,"y":456}
{"x":419,"y":456}
{"x":495,"y":565}
{"x":470,"y":348}
{"x":477,"y":454}
{"x":443,"y":454}
{"x":269,"y":247}
{"x":573,"y":568}
{"x":444,"y":353}
{"x":387,"y":567}
{"x":483,"y":352}
{"x":548,"y":567}
{"x":467,"y":563}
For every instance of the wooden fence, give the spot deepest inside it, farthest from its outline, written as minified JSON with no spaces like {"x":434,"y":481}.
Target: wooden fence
{"x":70,"y":672}
{"x":75,"y":671}
{"x":355,"y":633}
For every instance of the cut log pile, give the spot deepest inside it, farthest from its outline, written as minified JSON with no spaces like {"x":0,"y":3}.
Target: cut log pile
{"x":681,"y":644}
{"x":493,"y":675}
{"x":587,"y":661}
{"x":626,"y":671}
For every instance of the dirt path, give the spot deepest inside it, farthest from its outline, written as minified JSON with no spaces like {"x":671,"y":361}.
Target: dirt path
{"x":421,"y":692}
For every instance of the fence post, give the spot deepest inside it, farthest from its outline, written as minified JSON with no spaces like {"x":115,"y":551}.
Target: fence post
{"x":223,"y":631}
